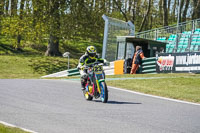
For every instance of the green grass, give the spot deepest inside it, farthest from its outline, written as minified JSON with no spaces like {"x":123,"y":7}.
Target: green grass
{"x":32,"y":66}
{"x":177,"y":86}
{"x":6,"y":129}
{"x":29,"y":62}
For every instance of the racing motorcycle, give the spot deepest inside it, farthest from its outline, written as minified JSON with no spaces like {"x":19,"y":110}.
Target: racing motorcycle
{"x":96,"y":86}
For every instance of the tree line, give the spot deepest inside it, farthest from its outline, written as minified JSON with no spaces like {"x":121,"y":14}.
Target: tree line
{"x":60,"y":21}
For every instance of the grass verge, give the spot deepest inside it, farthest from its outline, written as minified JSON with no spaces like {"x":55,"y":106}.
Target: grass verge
{"x":31,"y":66}
{"x":177,"y":86}
{"x":6,"y":129}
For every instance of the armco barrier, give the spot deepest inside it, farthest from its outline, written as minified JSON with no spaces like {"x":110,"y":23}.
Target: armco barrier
{"x":149,"y":65}
{"x":73,"y":72}
{"x":109,"y":70}
{"x":58,"y":74}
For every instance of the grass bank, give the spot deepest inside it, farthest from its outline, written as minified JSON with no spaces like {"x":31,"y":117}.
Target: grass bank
{"x":32,"y":66}
{"x":30,"y":61}
{"x":177,"y":86}
{"x":6,"y":129}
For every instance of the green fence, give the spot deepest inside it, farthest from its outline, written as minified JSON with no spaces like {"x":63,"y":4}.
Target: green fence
{"x":149,"y":65}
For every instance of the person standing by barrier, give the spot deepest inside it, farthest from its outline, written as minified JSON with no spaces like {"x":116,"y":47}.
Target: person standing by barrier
{"x":137,"y":59}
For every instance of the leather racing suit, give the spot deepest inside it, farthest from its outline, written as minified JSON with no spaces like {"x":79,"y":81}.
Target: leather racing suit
{"x":87,"y":60}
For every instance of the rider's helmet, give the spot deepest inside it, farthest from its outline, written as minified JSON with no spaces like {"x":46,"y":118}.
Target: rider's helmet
{"x":91,"y":51}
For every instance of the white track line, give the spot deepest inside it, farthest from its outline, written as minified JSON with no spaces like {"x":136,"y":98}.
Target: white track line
{"x":164,"y":98}
{"x":11,"y":125}
{"x":142,"y":94}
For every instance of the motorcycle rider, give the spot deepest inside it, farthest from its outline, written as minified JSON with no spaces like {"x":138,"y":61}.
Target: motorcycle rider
{"x":87,"y":59}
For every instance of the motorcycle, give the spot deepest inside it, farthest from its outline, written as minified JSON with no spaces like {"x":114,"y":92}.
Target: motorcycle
{"x":96,"y":86}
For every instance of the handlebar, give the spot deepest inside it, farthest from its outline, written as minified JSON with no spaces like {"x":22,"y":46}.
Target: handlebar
{"x":91,"y":65}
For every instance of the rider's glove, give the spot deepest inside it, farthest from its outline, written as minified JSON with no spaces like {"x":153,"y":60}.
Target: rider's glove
{"x":106,"y":63}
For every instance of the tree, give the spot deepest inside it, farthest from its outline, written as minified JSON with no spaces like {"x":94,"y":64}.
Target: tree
{"x":161,"y":9}
{"x":119,"y":6}
{"x":165,"y":12}
{"x":196,"y":9}
{"x":13,"y":9}
{"x":19,"y":37}
{"x":70,"y":22}
{"x":2,"y":4}
{"x":145,"y":17}
{"x":7,"y":6}
{"x":54,"y":20}
{"x":173,"y":11}
{"x":169,"y":5}
{"x":181,"y":7}
{"x":185,"y":10}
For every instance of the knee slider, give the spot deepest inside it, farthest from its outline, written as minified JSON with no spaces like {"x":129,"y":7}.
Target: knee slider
{"x":84,"y":76}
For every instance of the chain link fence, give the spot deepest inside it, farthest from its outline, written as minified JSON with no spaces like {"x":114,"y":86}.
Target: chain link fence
{"x":114,"y":28}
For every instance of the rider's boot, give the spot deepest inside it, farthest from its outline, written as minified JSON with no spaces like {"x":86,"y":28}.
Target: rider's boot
{"x":83,"y":83}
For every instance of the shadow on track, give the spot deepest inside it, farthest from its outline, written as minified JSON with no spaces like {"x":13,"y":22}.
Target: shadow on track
{"x":117,"y":102}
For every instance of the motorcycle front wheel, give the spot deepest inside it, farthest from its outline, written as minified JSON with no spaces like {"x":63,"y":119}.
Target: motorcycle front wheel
{"x":87,"y":96}
{"x":104,"y":92}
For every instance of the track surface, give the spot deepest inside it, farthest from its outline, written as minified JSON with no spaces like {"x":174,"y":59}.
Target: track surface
{"x":57,"y":106}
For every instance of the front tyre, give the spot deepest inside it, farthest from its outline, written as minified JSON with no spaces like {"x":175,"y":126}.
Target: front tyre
{"x":104,"y":92}
{"x":87,"y":96}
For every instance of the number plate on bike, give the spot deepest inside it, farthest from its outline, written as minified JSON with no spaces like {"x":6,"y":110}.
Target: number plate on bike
{"x":98,"y":68}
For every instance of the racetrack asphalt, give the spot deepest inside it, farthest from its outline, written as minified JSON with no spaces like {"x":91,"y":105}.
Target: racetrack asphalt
{"x":58,"y":106}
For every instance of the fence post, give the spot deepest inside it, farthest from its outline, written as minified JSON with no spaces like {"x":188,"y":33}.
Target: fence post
{"x":193,"y":25}
{"x":132,"y":33}
{"x":105,"y":39}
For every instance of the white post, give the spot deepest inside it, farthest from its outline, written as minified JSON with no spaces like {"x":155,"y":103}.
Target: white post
{"x":68,"y":62}
{"x":66,"y":54}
